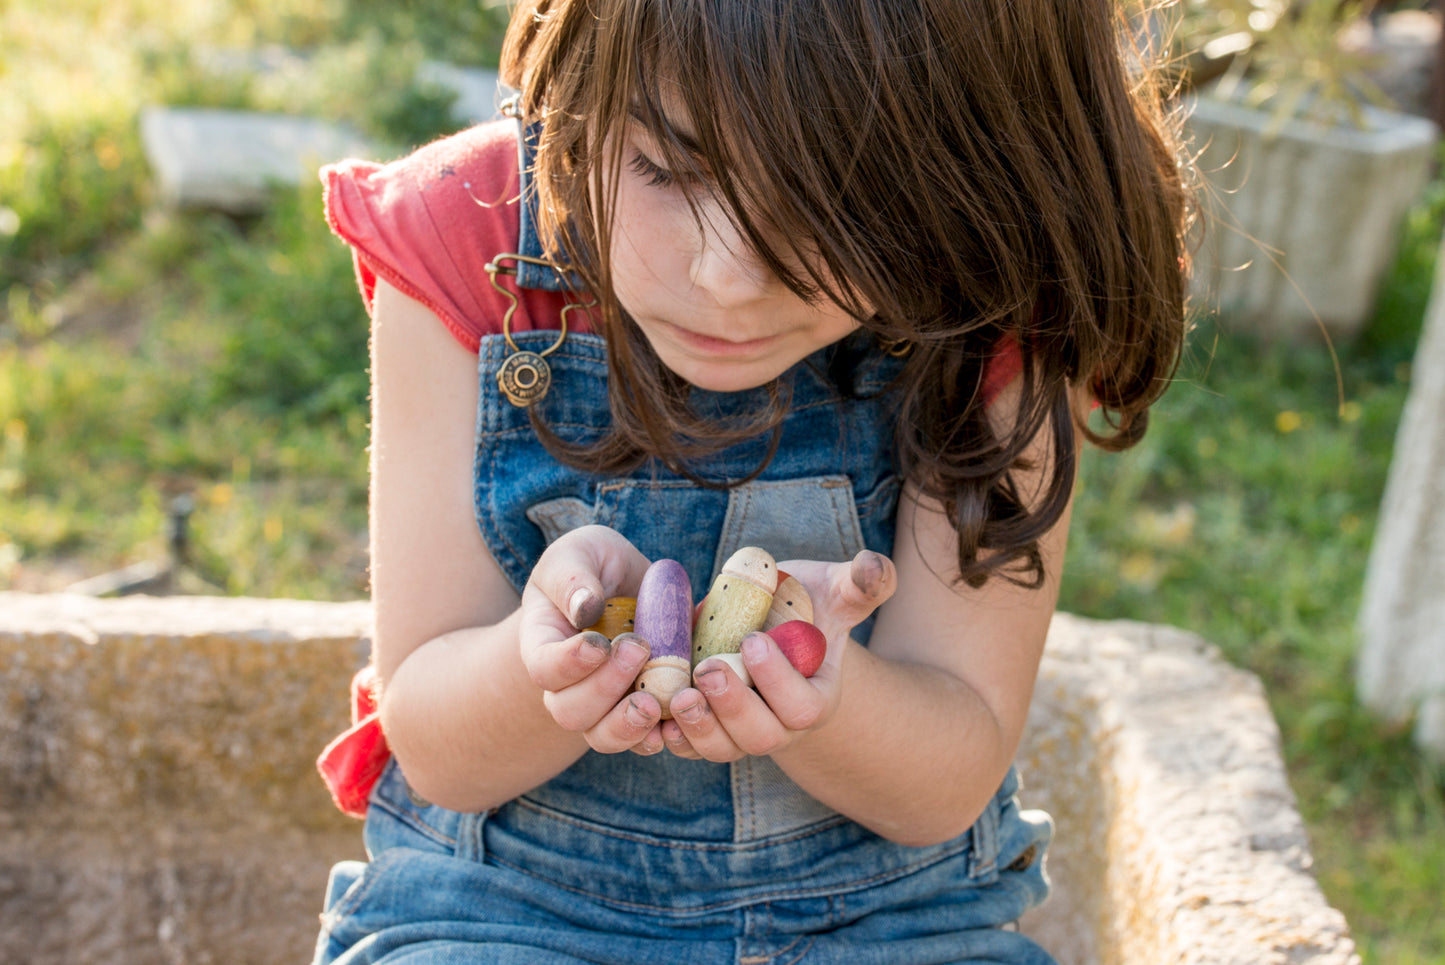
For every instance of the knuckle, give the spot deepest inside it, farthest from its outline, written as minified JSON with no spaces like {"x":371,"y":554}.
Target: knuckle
{"x":805,"y":717}
{"x":761,"y":746}
{"x":568,"y":718}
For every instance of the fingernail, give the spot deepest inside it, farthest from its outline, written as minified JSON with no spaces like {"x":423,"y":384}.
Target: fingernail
{"x":691,"y":713}
{"x":581,"y":608}
{"x":712,"y":683}
{"x":636,"y":716}
{"x":755,"y":648}
{"x":632,"y":653}
{"x":594,"y":647}
{"x":869,"y":573}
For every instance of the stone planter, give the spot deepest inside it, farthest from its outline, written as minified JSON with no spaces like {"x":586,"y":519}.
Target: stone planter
{"x":159,"y":801}
{"x":1301,"y":220}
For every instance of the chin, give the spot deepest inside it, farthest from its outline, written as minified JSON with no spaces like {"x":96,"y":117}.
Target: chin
{"x":715,"y":378}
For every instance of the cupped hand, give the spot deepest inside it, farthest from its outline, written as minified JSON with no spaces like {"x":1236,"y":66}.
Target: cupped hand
{"x":586,"y":679}
{"x":722,"y":719}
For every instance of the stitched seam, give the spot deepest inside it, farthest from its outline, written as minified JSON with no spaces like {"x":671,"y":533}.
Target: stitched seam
{"x":415,"y":823}
{"x":801,"y":834}
{"x":513,"y":566}
{"x":817,"y":891}
{"x":801,"y":952}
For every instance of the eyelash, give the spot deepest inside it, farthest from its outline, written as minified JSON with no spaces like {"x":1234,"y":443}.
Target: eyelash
{"x":657,"y":177}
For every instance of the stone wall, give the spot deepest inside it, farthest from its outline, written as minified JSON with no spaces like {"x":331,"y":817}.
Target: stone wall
{"x":159,"y":802}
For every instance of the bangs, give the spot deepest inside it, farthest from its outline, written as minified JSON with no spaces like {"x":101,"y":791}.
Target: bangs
{"x":720,"y":86}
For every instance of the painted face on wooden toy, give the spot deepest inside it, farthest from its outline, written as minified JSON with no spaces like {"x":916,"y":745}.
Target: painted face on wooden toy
{"x":737,"y":604}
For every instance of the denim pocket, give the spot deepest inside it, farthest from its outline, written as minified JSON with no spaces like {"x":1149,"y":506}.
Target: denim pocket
{"x":556,"y":517}
{"x":809,"y":518}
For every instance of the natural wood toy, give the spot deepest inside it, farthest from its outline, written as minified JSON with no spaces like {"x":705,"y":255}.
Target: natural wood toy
{"x":790,"y":602}
{"x":737,"y":604}
{"x":617,"y":617}
{"x":802,"y":643}
{"x":664,"y":620}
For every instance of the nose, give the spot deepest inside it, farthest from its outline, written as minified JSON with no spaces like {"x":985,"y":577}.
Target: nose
{"x":725,"y":264}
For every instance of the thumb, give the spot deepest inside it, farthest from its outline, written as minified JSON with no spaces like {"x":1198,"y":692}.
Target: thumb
{"x":581,"y":569}
{"x":846,"y":593}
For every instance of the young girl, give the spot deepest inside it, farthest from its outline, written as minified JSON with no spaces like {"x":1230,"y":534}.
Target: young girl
{"x":839,"y":279}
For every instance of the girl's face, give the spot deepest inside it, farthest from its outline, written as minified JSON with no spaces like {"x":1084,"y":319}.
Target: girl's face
{"x":709,"y":306}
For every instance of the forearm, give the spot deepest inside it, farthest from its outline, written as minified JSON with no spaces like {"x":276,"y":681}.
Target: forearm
{"x":467,"y":724}
{"x":933,"y":756}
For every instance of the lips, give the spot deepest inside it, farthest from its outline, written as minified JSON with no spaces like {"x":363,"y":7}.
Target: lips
{"x":714,"y":345}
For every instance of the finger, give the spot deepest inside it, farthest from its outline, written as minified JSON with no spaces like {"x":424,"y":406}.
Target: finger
{"x":582,"y":705}
{"x":652,"y":743}
{"x":845,"y":594}
{"x":556,"y":666}
{"x":701,"y":729}
{"x":676,"y":741}
{"x":581,"y":570}
{"x":626,"y":726}
{"x":743,"y":715}
{"x":874,"y":578}
{"x":797,"y":703}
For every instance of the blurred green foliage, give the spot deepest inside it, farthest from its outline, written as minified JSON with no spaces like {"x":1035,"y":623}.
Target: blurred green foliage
{"x":145,"y":354}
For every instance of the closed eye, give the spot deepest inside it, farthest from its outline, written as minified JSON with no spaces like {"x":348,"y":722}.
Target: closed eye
{"x":653,"y":174}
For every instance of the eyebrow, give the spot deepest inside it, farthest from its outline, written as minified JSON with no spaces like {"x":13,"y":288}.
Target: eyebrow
{"x":689,"y":144}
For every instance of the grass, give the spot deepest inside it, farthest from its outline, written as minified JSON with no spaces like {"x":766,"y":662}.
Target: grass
{"x":1246,"y":515}
{"x":146,"y":355}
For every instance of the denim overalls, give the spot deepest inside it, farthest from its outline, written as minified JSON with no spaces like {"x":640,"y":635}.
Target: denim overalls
{"x":628,"y":859}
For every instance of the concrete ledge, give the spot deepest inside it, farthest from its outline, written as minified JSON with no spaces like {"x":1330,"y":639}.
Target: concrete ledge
{"x":1178,"y":836}
{"x":231,"y":160}
{"x":158,"y":798}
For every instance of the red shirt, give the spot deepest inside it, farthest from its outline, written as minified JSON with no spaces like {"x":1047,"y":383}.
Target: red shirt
{"x":429,"y":223}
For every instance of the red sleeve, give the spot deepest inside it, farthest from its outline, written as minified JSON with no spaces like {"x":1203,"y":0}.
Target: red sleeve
{"x":1006,"y":365}
{"x":429,"y":223}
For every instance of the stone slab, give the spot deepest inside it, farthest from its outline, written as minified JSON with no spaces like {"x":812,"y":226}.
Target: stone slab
{"x":159,"y":801}
{"x":1401,"y":667}
{"x":477,"y":90}
{"x":232,"y":160}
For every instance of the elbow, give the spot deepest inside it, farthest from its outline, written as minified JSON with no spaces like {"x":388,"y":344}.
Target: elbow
{"x":926,"y":829}
{"x":421,"y":752}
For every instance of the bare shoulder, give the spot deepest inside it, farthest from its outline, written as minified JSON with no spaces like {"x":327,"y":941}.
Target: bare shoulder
{"x":431,"y":572}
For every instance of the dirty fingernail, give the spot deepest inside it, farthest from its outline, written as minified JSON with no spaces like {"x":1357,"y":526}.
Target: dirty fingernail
{"x":712,"y":683}
{"x":632,"y":653}
{"x":691,"y":713}
{"x":636,"y":715}
{"x":755,"y":648}
{"x":869,"y":572}
{"x":582,"y":607}
{"x":594,"y":647}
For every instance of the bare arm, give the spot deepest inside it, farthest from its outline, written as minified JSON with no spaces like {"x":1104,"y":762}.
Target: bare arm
{"x":464,"y":711}
{"x":942,"y":694}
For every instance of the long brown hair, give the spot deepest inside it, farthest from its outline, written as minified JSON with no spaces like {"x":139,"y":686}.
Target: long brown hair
{"x":951,"y":172}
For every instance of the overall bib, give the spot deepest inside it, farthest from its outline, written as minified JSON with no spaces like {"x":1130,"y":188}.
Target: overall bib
{"x":628,"y":859}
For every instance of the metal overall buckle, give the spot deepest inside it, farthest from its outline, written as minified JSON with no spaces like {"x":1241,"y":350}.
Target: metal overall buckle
{"x":525,"y":376}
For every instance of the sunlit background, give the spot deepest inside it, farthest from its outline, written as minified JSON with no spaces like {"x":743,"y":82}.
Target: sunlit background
{"x":165,"y":367}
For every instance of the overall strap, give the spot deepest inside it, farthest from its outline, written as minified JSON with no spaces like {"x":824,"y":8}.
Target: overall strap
{"x":535,"y":273}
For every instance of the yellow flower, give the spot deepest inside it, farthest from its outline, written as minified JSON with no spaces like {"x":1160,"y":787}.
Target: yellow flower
{"x":1288,"y":421}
